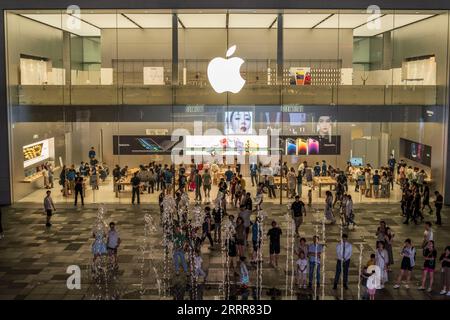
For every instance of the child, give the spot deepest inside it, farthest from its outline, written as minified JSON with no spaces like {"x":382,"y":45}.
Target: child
{"x":198,"y":271}
{"x":372,"y":285}
{"x":302,"y":265}
{"x":113,"y":244}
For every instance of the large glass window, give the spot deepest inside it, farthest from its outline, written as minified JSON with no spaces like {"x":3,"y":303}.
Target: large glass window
{"x":337,"y":86}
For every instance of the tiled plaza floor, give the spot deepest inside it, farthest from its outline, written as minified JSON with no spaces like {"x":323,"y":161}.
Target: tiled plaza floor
{"x":34,"y":259}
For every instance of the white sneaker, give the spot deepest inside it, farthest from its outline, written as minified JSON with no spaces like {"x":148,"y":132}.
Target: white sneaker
{"x":421,"y":288}
{"x":429,"y":290}
{"x":448,"y":294}
{"x":406,"y":286}
{"x":443,"y":292}
{"x":396,"y":286}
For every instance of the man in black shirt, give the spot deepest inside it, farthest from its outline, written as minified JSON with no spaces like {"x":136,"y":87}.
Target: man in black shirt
{"x":298,"y":211}
{"x":79,"y":189}
{"x":135,"y":185}
{"x":274,"y":246}
{"x":409,"y":200}
{"x":438,"y":204}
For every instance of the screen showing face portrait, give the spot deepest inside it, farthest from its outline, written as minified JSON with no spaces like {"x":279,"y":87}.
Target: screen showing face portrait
{"x":239,"y":122}
{"x":324,"y":126}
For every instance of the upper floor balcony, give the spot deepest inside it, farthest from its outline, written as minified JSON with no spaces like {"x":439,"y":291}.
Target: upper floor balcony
{"x":251,"y":94}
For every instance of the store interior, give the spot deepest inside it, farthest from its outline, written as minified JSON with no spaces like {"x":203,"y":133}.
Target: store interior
{"x":361,"y":85}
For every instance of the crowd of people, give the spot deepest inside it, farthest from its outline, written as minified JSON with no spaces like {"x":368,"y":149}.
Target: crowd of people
{"x":242,"y":237}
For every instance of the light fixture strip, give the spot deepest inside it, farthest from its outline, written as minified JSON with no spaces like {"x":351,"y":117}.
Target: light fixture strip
{"x":313,"y":27}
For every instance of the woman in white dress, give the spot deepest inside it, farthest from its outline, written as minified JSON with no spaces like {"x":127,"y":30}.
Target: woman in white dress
{"x":329,"y":207}
{"x":382,"y":261}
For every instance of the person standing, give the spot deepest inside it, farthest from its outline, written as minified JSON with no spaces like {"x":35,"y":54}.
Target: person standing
{"x":207,"y":181}
{"x":198,"y":186}
{"x":45,"y":175}
{"x":256,"y":239}
{"x":343,"y":253}
{"x":218,"y":216}
{"x":63,"y":180}
{"x":179,"y":242}
{"x":245,"y":215}
{"x":438,"y":205}
{"x":376,"y":184}
{"x":382,"y":261}
{"x":299,"y":183}
{"x":79,"y":189}
{"x":254,"y":173}
{"x":408,"y":254}
{"x":240,"y":236}
{"x":292,"y":181}
{"x":113,"y":243}
{"x":329,"y":207}
{"x":49,"y":207}
{"x":91,"y":153}
{"x":206,"y":228}
{"x":298,"y":212}
{"x":167,"y":180}
{"x":429,"y":255}
{"x":274,"y":235}
{"x":428,"y":234}
{"x":302,"y":267}
{"x":314,"y":252}
{"x":324,"y":168}
{"x":409,"y":201}
{"x":271,"y":186}
{"x":135,"y":185}
{"x":228,"y":176}
{"x":445,"y":271}
{"x":426,"y":198}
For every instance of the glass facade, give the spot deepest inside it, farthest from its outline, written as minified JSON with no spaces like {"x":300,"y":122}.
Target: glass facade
{"x":334,"y":85}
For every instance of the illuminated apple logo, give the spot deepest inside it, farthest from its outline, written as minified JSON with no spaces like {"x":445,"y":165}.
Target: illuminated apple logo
{"x":224,"y":74}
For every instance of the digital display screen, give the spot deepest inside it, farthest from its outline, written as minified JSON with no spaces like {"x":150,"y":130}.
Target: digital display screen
{"x":227,"y":145}
{"x":356,"y":161}
{"x":133,"y":145}
{"x":239,"y":122}
{"x":313,"y":145}
{"x":38,"y":151}
{"x":418,"y":152}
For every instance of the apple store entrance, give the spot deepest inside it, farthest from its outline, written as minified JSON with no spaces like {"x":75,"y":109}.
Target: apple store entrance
{"x":291,"y":103}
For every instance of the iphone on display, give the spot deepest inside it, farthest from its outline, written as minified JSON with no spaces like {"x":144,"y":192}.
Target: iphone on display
{"x":291,"y":148}
{"x":313,"y":146}
{"x":302,"y":146}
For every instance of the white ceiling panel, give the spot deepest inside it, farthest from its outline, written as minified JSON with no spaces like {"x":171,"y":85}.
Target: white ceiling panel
{"x":386,"y":23}
{"x":203,"y":20}
{"x":65,"y":22}
{"x":108,"y":21}
{"x":151,"y":20}
{"x":302,"y":21}
{"x":252,"y":20}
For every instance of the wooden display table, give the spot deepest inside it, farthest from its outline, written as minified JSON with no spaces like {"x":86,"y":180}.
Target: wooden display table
{"x":125,"y":181}
{"x":323,"y":181}
{"x":38,"y":175}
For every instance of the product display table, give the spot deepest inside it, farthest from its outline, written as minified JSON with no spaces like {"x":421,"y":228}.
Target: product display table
{"x":323,"y":181}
